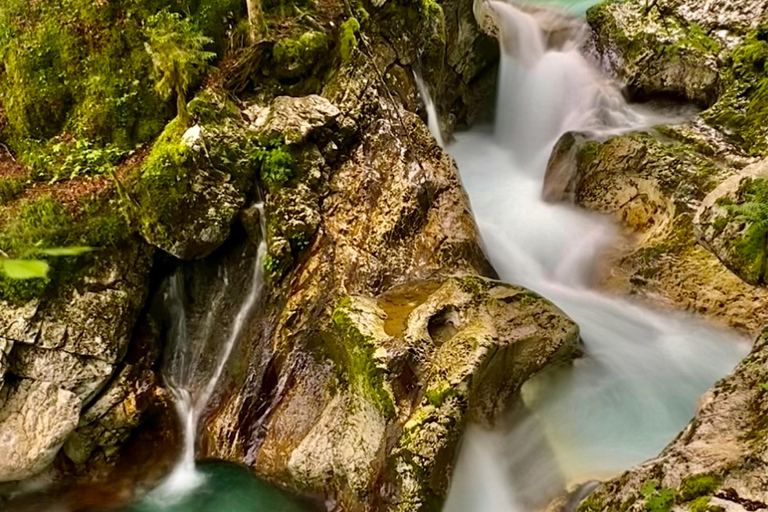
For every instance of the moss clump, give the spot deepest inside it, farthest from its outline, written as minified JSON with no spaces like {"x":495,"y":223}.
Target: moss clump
{"x":593,"y":503}
{"x":702,"y":504}
{"x":697,"y":486}
{"x":297,"y":57}
{"x":360,"y":353}
{"x":46,"y":224}
{"x":348,"y":38}
{"x":742,"y":110}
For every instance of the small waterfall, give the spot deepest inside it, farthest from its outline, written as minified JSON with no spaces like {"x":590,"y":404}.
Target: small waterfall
{"x":189,"y":373}
{"x":644,"y":370}
{"x":433,"y":120}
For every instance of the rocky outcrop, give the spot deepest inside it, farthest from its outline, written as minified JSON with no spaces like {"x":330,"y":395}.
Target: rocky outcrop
{"x":654,"y":185}
{"x":662,"y":184}
{"x":383,"y":332}
{"x":407,"y":366}
{"x":717,"y":463}
{"x":63,"y":350}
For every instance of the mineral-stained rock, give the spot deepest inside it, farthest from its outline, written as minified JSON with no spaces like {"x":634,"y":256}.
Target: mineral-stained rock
{"x":35,"y":420}
{"x":379,"y":341}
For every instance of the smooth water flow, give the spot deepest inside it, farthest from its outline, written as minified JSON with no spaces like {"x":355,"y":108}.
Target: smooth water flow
{"x":432,"y":118}
{"x":192,"y":373}
{"x":644,"y":371}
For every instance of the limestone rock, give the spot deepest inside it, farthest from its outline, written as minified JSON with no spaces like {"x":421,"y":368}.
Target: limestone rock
{"x":294,"y":119}
{"x":93,"y":319}
{"x":655,"y":186}
{"x":724,"y":225}
{"x":35,"y":420}
{"x":655,"y":53}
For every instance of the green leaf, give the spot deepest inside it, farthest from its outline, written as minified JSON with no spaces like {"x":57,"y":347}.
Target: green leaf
{"x":65,"y":251}
{"x":24,"y":269}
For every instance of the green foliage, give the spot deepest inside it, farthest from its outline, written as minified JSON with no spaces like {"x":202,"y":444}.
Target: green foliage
{"x":176,"y":47}
{"x":277,"y":163}
{"x":271,"y":264}
{"x":24,"y":269}
{"x":80,"y":67}
{"x":10,"y":188}
{"x":56,"y":159}
{"x":348,"y":38}
{"x":742,"y":110}
{"x":44,"y":233}
{"x":657,"y":499}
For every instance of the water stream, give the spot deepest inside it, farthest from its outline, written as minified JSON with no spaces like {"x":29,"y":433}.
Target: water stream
{"x":644,"y":370}
{"x":193,"y":368}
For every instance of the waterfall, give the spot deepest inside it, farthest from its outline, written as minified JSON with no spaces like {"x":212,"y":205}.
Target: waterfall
{"x":644,"y":370}
{"x":433,"y":120}
{"x":192,"y":378}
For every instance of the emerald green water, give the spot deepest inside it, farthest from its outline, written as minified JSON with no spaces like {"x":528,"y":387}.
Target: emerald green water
{"x":227,"y":488}
{"x":578,"y":7}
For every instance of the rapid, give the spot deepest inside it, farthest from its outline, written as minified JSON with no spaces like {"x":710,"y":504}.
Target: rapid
{"x":643,"y":371}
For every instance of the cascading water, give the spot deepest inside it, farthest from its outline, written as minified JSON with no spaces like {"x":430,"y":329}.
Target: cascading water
{"x":190,"y":374}
{"x":432,"y":118}
{"x":644,"y":371}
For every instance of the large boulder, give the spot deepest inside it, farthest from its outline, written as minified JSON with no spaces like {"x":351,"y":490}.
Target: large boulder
{"x":35,"y":419}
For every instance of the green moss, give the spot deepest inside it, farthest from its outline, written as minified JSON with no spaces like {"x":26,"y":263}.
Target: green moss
{"x":348,"y":38}
{"x":357,"y":353}
{"x":46,"y":223}
{"x":297,"y":57}
{"x":10,"y":188}
{"x":742,"y":109}
{"x":593,"y":503}
{"x":702,"y":504}
{"x":697,"y":486}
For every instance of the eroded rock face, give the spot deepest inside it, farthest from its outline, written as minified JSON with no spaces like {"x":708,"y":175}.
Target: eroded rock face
{"x":655,"y":187}
{"x":61,"y":352}
{"x":379,"y":338}
{"x":36,"y":418}
{"x":718,"y":462}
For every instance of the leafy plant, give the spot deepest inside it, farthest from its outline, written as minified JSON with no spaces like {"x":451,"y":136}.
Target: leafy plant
{"x":178,"y":56}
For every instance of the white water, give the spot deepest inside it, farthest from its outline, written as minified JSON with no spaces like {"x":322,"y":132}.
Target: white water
{"x":644,"y":370}
{"x":432,"y":117}
{"x":188,"y":375}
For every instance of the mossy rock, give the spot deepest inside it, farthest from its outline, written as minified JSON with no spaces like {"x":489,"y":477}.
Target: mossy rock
{"x":193,"y":185}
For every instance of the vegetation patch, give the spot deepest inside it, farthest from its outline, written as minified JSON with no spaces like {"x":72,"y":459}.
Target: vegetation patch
{"x":742,"y":109}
